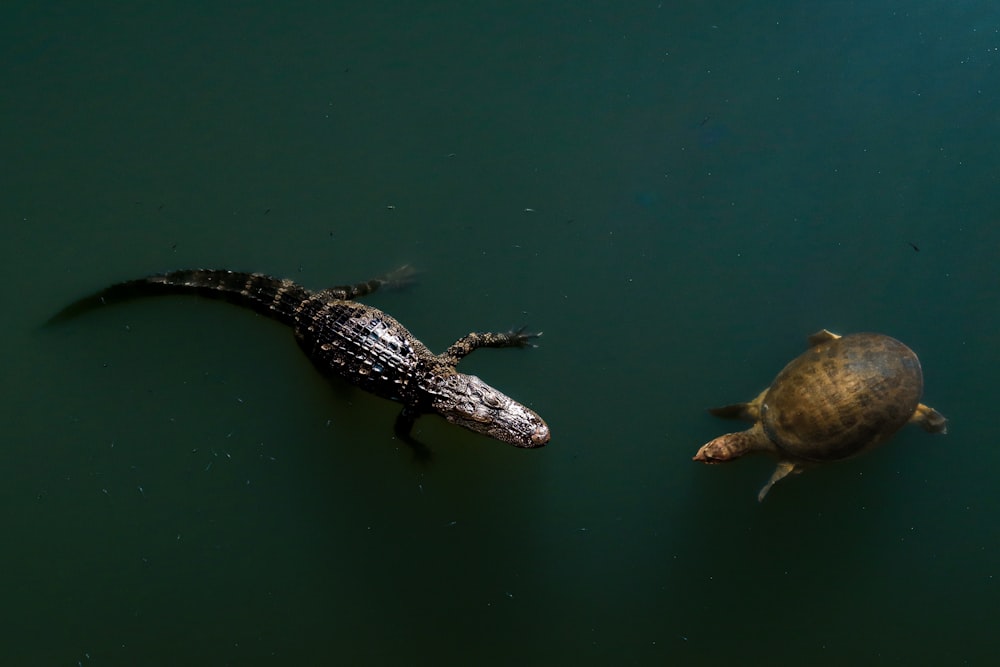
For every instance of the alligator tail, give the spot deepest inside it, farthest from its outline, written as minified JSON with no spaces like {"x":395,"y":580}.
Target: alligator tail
{"x":275,"y":298}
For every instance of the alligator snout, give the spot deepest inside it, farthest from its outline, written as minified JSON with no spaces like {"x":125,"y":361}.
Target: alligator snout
{"x":540,"y":436}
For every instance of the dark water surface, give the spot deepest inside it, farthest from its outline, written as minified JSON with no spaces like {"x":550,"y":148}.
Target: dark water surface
{"x":676,"y":193}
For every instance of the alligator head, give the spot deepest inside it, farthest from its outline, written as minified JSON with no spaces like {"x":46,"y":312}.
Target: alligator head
{"x":468,"y":401}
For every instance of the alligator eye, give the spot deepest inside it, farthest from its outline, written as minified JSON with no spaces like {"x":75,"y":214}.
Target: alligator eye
{"x":475,"y":415}
{"x":490,"y":399}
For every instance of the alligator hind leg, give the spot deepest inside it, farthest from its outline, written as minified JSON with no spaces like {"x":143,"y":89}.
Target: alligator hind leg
{"x":475,"y":340}
{"x":399,"y":278}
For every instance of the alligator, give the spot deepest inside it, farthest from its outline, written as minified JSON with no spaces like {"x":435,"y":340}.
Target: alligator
{"x":362,"y":344}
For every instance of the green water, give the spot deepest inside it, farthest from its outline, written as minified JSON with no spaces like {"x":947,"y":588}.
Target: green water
{"x":677,"y":193}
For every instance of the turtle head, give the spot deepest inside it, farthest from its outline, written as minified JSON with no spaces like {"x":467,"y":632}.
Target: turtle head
{"x":732,"y":446}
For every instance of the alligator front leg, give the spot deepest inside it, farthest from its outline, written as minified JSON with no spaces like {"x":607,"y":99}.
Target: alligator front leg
{"x":463,"y":346}
{"x":404,"y":428}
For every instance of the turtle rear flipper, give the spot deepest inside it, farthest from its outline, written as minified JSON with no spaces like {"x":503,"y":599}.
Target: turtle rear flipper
{"x":929,"y":419}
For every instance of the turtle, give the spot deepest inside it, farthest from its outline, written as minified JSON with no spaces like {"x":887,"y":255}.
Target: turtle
{"x":840,"y":398}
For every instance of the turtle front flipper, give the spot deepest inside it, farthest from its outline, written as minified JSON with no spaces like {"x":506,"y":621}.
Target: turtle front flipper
{"x":746,"y":411}
{"x":784,"y":469}
{"x":929,"y":419}
{"x":734,"y":411}
{"x":822,"y":336}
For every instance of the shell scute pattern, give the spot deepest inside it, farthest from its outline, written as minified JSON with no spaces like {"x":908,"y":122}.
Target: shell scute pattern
{"x":842,"y":396}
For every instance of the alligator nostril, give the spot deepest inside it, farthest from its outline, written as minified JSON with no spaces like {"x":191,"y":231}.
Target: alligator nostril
{"x":540,"y":436}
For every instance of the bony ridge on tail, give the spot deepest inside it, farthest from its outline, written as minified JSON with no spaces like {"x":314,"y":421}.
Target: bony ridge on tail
{"x":362,"y":344}
{"x":840,"y":398}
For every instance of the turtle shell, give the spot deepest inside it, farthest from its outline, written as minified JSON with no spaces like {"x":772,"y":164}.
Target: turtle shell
{"x":842,"y":396}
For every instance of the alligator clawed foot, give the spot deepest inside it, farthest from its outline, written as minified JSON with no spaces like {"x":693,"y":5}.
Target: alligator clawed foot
{"x":521,"y":338}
